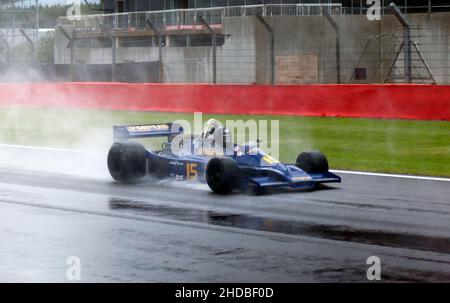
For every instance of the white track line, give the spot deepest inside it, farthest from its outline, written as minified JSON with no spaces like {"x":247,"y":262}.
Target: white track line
{"x":63,"y":150}
{"x":51,"y":149}
{"x":390,"y":175}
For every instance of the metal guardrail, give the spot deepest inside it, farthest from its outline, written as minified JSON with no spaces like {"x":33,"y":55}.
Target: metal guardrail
{"x":362,"y":10}
{"x":132,"y":21}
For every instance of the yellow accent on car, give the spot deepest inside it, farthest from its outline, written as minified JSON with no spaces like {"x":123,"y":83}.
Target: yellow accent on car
{"x":270,"y":159}
{"x":191,"y":171}
{"x":147,"y":128}
{"x":305,"y":178}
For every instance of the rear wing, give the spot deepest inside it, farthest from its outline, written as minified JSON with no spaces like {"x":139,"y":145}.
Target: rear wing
{"x":146,"y":130}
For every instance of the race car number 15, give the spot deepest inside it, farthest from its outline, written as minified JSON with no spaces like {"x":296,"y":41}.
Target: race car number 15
{"x":191,"y":171}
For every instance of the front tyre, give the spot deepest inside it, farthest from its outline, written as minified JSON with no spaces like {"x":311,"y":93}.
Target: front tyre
{"x":126,"y":161}
{"x":222,"y":175}
{"x":312,"y":162}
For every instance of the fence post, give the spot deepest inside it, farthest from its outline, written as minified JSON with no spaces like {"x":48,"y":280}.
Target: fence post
{"x":272,"y":46}
{"x":214,"y":46}
{"x":6,"y":44}
{"x":407,"y":41}
{"x":113,"y":50}
{"x":338,"y":43}
{"x":32,"y":44}
{"x":158,"y":34}
{"x":72,"y":48}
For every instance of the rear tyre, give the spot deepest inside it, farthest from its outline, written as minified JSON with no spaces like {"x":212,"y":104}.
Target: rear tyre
{"x":312,"y":162}
{"x":126,"y":161}
{"x":222,"y":175}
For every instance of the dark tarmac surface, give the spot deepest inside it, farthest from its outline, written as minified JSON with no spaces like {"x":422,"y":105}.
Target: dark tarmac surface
{"x":56,"y":204}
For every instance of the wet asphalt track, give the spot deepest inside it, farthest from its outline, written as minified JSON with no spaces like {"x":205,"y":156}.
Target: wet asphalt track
{"x":56,"y":204}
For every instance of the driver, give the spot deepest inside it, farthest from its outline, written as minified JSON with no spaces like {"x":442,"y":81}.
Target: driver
{"x":215,"y":140}
{"x":210,"y":130}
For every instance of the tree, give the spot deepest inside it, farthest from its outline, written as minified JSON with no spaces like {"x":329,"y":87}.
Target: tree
{"x":45,"y":48}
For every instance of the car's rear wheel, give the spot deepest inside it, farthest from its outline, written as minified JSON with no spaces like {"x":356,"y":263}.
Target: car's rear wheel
{"x":126,"y":161}
{"x":222,"y":175}
{"x":312,"y":162}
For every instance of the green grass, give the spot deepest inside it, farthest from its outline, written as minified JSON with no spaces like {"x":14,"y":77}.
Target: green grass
{"x":393,"y":146}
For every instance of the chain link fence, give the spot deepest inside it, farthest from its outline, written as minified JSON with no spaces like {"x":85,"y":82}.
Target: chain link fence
{"x":257,"y":44}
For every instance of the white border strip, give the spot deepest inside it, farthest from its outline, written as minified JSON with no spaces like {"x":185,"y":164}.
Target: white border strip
{"x":50,"y":149}
{"x":390,"y":175}
{"x":63,"y":150}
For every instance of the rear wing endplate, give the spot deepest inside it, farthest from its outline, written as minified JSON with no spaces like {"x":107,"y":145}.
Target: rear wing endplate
{"x":146,"y":130}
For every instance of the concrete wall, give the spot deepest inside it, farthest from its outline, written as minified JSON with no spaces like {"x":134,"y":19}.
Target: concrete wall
{"x":433,"y":40}
{"x":245,"y":55}
{"x":314,"y":35}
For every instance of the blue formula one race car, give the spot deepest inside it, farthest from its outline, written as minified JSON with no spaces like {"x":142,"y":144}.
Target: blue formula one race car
{"x":212,"y":158}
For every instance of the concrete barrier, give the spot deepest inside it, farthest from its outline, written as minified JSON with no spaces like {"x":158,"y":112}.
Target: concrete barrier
{"x":424,"y":102}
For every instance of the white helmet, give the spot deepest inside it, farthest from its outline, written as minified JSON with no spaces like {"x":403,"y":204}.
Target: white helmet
{"x":218,"y":136}
{"x":211,"y":126}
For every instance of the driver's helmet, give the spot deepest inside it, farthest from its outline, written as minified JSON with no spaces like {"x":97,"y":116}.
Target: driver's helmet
{"x":210,"y":129}
{"x":214,"y":133}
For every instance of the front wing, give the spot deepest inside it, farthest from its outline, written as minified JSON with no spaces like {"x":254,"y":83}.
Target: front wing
{"x":308,"y":181}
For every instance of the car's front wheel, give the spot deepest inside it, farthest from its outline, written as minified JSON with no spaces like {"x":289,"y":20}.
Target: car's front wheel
{"x":126,"y":161}
{"x":222,"y":175}
{"x":312,"y":162}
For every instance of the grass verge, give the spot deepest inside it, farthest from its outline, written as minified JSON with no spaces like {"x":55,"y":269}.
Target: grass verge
{"x":391,"y":146}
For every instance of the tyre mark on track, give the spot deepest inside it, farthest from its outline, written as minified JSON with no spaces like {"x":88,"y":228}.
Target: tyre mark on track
{"x":330,"y":232}
{"x":383,"y":207}
{"x":141,"y":211}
